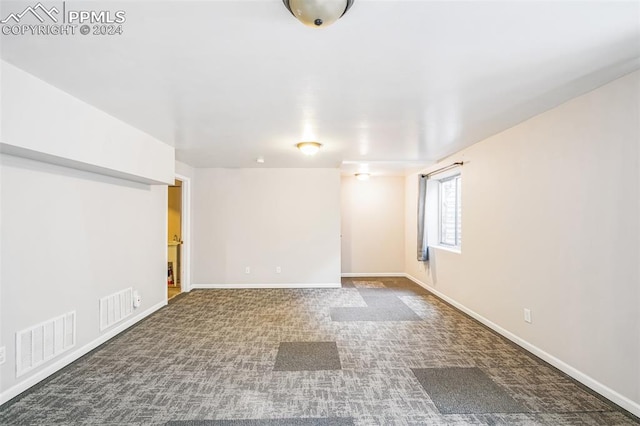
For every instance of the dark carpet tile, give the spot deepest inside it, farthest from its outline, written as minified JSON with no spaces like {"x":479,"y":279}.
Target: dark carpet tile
{"x":378,"y":313}
{"x":382,"y":300}
{"x":375,"y":292}
{"x":405,"y":286}
{"x":457,"y":390}
{"x":307,"y":356}
{"x":382,"y":305}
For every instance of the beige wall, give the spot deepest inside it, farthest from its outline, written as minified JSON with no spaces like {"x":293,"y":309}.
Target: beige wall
{"x":372,"y":225}
{"x":264,"y":219}
{"x":551,"y":222}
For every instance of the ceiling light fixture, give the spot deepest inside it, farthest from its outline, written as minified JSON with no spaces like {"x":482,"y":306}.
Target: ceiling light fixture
{"x":260,"y":160}
{"x":318,"y":13}
{"x":363,"y":176}
{"x":309,"y":148}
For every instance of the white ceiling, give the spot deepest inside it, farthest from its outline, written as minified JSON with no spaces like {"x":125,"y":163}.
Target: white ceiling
{"x":393,"y":84}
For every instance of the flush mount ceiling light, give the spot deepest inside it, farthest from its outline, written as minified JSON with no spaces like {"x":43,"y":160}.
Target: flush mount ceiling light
{"x":363,"y":176}
{"x":318,"y":13}
{"x":309,"y":148}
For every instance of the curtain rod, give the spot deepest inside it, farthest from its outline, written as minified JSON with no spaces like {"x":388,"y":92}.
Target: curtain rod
{"x":450,"y":166}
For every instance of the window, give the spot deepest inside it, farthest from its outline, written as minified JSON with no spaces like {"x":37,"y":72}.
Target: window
{"x":451,"y":211}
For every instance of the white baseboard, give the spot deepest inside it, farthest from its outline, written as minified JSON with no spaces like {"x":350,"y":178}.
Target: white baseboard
{"x":372,"y":274}
{"x":17,"y":389}
{"x":275,"y":285}
{"x":621,"y":400}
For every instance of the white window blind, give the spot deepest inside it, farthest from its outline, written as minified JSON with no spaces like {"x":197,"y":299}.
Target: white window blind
{"x":451,"y":211}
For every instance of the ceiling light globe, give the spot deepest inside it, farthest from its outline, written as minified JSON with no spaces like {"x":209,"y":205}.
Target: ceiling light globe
{"x":309,"y":148}
{"x":318,"y":13}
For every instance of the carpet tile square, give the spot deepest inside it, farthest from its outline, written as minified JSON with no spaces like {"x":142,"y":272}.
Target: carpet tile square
{"x":456,"y":390}
{"x":307,"y":356}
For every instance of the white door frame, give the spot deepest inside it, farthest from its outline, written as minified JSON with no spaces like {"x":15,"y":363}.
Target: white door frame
{"x":185,"y":229}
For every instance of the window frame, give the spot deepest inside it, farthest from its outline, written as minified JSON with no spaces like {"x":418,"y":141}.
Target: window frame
{"x":457,"y":247}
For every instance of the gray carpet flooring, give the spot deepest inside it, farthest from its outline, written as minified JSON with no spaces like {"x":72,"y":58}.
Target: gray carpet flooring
{"x":249,"y":357}
{"x":335,"y":421}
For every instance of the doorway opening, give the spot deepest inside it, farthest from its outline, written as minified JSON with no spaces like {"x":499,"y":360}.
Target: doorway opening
{"x":174,"y":237}
{"x":178,"y":239}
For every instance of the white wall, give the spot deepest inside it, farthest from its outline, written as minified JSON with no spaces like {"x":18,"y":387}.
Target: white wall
{"x":70,"y":237}
{"x":2,"y":335}
{"x":42,"y":122}
{"x":551,"y":222}
{"x":265,"y":218}
{"x":184,"y":170}
{"x":372,"y":225}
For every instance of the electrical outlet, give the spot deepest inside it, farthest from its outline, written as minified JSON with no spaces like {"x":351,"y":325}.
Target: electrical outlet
{"x":3,"y":355}
{"x":247,"y":270}
{"x":527,"y":315}
{"x":278,"y":269}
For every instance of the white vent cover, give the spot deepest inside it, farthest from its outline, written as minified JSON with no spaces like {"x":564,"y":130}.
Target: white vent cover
{"x":115,"y":307}
{"x":40,"y":343}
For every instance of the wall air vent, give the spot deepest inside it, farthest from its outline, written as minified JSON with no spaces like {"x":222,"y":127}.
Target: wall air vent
{"x":40,"y":343}
{"x":115,"y":307}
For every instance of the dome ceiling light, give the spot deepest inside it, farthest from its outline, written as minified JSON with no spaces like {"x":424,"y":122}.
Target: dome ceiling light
{"x":309,"y":148}
{"x":318,"y":13}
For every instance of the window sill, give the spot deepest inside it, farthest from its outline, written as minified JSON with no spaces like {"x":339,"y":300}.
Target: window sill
{"x":451,"y":249}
